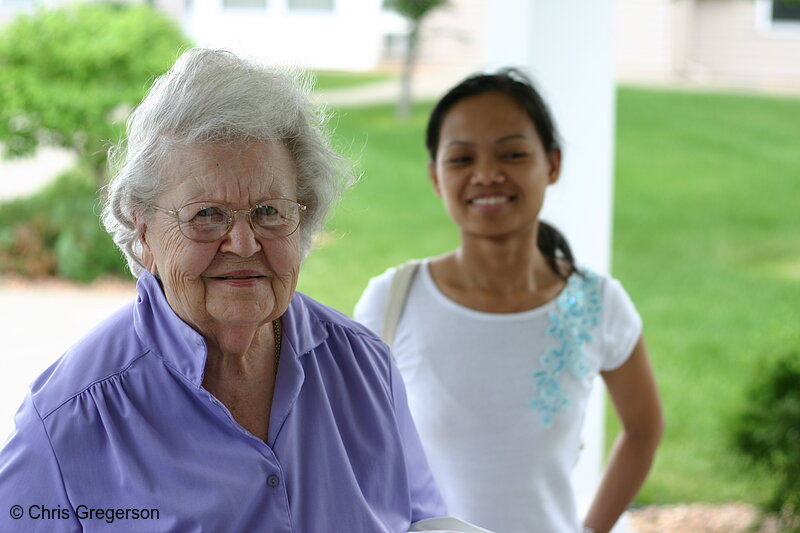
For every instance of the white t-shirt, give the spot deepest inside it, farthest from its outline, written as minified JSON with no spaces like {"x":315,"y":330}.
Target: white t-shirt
{"x":499,"y":398}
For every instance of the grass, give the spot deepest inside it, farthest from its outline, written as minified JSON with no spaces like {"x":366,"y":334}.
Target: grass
{"x":391,"y":214}
{"x":707,"y":241}
{"x":333,"y":79}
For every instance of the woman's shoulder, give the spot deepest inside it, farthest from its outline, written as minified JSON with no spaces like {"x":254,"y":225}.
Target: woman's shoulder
{"x":608,"y":284}
{"x":316,"y":328}
{"x":409,"y":268}
{"x":314,"y":319}
{"x":602,"y":291}
{"x":105,"y":351}
{"x":371,"y":305}
{"x":584,"y":275}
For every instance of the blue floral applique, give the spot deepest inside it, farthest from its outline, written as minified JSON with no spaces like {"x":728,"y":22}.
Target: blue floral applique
{"x":578,"y":310}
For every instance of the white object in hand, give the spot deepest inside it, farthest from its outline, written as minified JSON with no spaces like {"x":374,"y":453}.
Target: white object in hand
{"x":445,"y":524}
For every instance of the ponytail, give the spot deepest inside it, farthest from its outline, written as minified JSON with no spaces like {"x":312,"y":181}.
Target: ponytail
{"x":555,"y":248}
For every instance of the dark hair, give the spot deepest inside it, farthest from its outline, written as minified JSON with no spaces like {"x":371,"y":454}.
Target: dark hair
{"x":515,"y":84}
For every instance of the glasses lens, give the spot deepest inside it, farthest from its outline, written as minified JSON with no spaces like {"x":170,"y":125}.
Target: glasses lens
{"x":276,"y":217}
{"x":204,"y":222}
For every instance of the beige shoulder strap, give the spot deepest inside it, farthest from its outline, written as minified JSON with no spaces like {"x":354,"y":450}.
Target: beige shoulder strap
{"x":396,"y":299}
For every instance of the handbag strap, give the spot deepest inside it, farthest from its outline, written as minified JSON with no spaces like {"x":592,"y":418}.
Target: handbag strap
{"x":396,"y":299}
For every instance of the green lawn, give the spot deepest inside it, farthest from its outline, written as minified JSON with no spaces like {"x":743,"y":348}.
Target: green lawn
{"x":333,"y":79}
{"x":389,"y":215}
{"x":707,"y":241}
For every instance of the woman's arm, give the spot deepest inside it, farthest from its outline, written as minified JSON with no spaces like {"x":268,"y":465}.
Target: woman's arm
{"x":633,"y":391}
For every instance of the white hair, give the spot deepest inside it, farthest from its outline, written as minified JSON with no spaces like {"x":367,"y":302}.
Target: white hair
{"x":211,"y":96}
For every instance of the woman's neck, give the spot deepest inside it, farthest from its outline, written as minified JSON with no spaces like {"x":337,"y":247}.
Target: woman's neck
{"x":497,"y":274}
{"x":240,"y":372}
{"x":239,"y":345}
{"x":512,"y":262}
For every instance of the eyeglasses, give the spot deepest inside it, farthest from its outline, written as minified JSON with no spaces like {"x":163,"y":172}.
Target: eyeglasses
{"x":271,"y":218}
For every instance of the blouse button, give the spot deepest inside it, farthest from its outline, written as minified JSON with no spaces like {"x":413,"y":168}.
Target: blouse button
{"x":273,"y":481}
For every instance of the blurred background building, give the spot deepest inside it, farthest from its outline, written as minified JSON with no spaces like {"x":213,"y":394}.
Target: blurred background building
{"x":752,"y":44}
{"x":742,"y":43}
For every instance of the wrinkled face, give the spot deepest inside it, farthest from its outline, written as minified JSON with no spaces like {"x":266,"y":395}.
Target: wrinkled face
{"x":241,"y":279}
{"x":491,"y":168}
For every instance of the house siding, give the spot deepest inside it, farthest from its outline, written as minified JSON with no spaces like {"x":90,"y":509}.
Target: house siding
{"x":711,"y":42}
{"x":730,"y":46}
{"x":644,"y":39}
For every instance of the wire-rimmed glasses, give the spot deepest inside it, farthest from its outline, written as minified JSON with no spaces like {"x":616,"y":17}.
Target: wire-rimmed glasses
{"x":270,"y":218}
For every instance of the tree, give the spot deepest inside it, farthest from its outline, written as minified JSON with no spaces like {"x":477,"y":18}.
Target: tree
{"x":415,"y":11}
{"x":70,"y":76}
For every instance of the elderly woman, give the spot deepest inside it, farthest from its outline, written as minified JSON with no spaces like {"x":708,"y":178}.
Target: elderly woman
{"x":221,"y":399}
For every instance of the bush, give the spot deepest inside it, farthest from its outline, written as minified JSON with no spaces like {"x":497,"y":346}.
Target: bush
{"x":23,"y":250}
{"x":767,"y":433}
{"x":70,"y":75}
{"x":58,"y":231}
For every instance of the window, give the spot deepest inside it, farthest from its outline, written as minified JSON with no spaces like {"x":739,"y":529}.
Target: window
{"x":248,"y":4}
{"x":778,"y":18}
{"x":315,"y":5}
{"x":785,"y":11}
{"x":394,"y":46}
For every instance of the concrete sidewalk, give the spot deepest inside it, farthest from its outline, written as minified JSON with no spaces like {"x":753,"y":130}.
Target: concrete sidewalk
{"x":427,"y":85}
{"x":38,"y":321}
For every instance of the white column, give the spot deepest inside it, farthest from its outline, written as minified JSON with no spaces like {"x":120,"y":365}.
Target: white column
{"x":567,"y":47}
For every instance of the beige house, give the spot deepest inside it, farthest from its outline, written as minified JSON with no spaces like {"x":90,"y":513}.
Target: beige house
{"x":752,"y":44}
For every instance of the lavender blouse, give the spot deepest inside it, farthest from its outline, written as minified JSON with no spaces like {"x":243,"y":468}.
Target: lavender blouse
{"x":119,"y":435}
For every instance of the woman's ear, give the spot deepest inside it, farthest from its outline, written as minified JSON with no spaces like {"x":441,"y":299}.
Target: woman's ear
{"x":434,"y":177}
{"x":148,"y":259}
{"x":554,"y":158}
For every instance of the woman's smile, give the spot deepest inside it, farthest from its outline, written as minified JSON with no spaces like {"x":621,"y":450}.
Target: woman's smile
{"x":491,"y":202}
{"x":239,"y":279}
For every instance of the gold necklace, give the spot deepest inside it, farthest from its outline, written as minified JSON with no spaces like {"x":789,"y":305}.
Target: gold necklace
{"x":276,"y":328}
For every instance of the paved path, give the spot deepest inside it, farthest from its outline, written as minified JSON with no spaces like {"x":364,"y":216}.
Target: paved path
{"x":23,"y":176}
{"x":38,"y":321}
{"x":427,"y":86}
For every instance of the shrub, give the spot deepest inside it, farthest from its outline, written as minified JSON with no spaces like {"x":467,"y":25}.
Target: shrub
{"x":23,"y":250}
{"x":57,"y":231}
{"x":70,"y":75}
{"x":767,"y":433}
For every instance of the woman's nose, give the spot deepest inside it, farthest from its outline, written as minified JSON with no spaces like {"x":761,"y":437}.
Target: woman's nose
{"x":241,"y":239}
{"x":486,"y":173}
